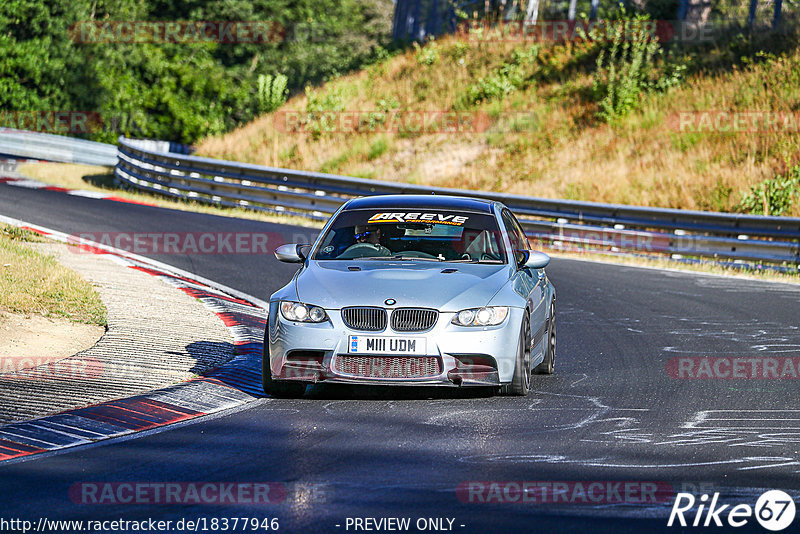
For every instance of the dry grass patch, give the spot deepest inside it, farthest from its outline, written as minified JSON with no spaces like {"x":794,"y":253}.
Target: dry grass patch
{"x":71,"y":175}
{"x":35,"y":283}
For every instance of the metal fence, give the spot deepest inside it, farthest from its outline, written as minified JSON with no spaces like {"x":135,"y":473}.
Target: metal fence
{"x":564,"y":224}
{"x":35,"y":145}
{"x":557,"y":223}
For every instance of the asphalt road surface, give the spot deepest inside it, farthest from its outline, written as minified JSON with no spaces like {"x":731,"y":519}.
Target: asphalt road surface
{"x":612,"y":415}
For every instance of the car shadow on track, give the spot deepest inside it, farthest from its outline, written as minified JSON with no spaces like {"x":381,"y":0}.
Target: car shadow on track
{"x":243,"y":372}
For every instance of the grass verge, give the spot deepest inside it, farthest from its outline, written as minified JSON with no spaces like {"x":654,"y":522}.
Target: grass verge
{"x":35,"y":283}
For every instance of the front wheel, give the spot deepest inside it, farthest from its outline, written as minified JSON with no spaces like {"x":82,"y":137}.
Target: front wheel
{"x":276,"y":388}
{"x":520,"y":384}
{"x":549,"y":363}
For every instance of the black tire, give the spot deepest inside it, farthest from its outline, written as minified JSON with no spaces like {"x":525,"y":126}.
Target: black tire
{"x":277,"y":388}
{"x":548,"y":365}
{"x":520,"y":383}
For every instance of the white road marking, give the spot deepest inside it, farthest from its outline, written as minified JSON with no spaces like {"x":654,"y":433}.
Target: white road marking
{"x":87,"y":194}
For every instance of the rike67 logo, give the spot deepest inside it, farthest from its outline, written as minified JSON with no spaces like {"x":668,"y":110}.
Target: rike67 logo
{"x":774,"y":510}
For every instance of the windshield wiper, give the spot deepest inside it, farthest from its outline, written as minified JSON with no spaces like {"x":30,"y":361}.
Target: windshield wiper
{"x":404,"y":258}
{"x":476,"y":261}
{"x":399,"y":257}
{"x":386,"y":258}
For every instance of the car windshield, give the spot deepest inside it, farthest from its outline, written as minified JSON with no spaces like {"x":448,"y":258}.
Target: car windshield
{"x":413,"y":234}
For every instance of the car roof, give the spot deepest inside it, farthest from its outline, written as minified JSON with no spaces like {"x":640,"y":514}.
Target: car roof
{"x":386,"y":202}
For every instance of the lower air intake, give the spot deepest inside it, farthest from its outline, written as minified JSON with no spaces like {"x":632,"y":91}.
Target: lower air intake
{"x":388,"y":366}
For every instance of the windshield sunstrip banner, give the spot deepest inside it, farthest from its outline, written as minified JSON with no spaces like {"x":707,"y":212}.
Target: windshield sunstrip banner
{"x":417,"y":217}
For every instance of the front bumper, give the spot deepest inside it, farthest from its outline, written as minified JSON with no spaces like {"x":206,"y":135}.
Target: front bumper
{"x":307,"y":352}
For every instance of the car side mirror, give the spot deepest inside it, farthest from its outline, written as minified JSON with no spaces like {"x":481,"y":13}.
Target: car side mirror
{"x":292,"y":252}
{"x":536,"y":260}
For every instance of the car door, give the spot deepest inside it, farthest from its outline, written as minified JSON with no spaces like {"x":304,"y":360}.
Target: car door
{"x":530,"y":283}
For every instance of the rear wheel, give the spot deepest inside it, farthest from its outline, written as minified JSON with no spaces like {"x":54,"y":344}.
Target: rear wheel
{"x":549,"y":363}
{"x":276,"y":388}
{"x":521,"y":382}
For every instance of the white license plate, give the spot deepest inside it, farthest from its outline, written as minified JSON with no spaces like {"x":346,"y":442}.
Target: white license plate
{"x":386,"y":345}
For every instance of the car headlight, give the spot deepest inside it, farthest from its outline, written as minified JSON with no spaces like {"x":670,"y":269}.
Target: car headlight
{"x":302,"y":313}
{"x":487,"y":316}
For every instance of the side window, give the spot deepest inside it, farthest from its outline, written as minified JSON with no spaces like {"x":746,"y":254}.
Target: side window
{"x":519,"y":242}
{"x":520,"y":233}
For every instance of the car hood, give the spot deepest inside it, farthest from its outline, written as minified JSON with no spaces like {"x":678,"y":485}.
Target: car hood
{"x":337,"y":284}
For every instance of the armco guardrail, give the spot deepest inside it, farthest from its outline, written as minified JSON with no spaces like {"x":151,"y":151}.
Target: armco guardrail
{"x":560,"y":223}
{"x":35,"y":145}
{"x":149,"y":166}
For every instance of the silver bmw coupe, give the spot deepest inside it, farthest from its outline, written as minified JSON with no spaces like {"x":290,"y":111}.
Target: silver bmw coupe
{"x":413,"y":290}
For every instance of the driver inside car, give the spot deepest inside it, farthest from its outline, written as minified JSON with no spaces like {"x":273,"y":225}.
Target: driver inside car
{"x":368,"y":236}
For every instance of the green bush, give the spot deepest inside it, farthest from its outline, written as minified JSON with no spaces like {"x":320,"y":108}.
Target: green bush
{"x":319,"y":110}
{"x":509,"y":77}
{"x":495,"y":86}
{"x":457,"y":50}
{"x":271,"y":92}
{"x":627,"y":67}
{"x":318,"y":103}
{"x":773,"y":196}
{"x":427,"y":55}
{"x":377,"y":148}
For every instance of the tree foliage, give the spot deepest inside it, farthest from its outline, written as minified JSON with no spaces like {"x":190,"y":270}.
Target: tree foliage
{"x":178,"y":91}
